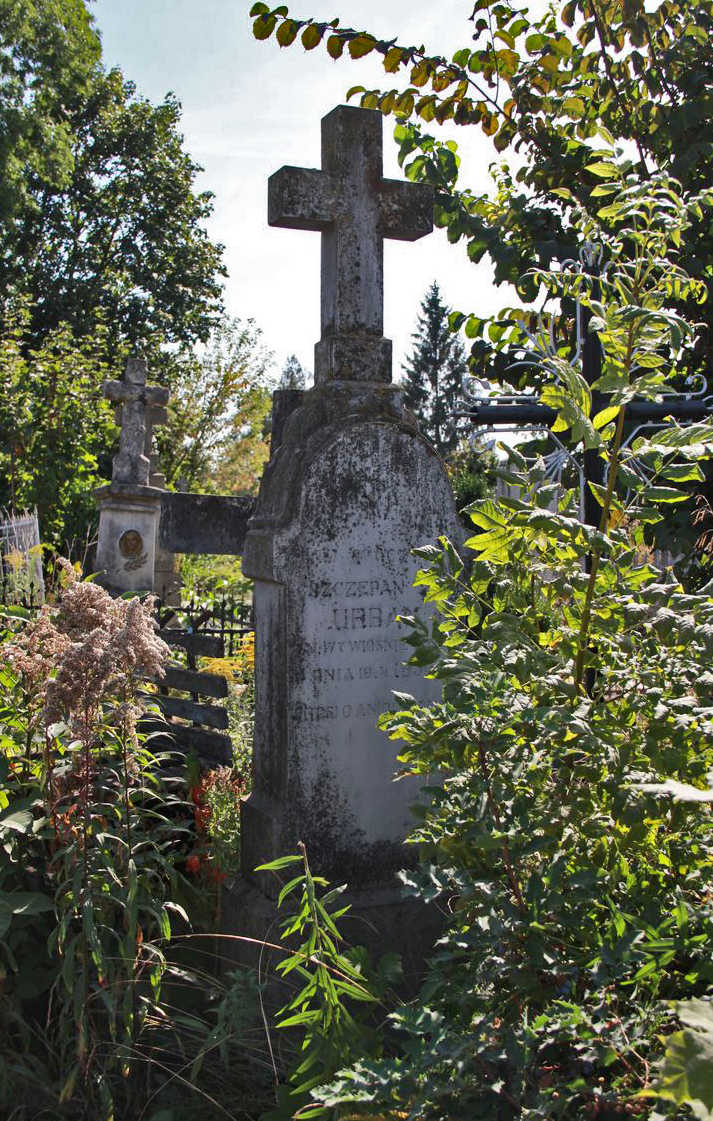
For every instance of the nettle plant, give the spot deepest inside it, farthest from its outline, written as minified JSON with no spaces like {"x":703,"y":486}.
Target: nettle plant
{"x":576,"y":677}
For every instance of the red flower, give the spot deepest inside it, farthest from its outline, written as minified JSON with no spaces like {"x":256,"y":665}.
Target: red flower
{"x":193,"y":864}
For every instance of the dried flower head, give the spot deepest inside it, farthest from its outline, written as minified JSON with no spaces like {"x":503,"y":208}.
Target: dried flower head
{"x":88,"y":650}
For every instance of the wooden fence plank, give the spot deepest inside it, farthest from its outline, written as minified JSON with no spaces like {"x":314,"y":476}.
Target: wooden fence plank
{"x":210,"y":715}
{"x":207,"y":645}
{"x":190,"y":681}
{"x":214,"y":745}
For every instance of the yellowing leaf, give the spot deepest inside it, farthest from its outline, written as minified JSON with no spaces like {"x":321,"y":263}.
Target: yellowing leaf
{"x":311,"y":37}
{"x":362,"y":45}
{"x":602,"y":418}
{"x":335,"y":46}
{"x":392,"y":60}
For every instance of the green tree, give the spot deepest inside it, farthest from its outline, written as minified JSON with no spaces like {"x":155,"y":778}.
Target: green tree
{"x":220,"y":399}
{"x":293,"y":375}
{"x":49,"y":51}
{"x":56,"y":429}
{"x":434,"y":373}
{"x":98,"y":211}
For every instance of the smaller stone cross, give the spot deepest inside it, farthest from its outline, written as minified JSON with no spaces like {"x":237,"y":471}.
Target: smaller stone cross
{"x":354,"y":208}
{"x":142,"y":406}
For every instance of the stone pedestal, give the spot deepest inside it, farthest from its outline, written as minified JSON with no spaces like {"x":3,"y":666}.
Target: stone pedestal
{"x":353,"y":488}
{"x":128,"y":527}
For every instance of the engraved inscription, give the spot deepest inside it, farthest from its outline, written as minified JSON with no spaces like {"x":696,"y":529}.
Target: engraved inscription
{"x":347,"y":589}
{"x":352,"y":654}
{"x":361,"y":618}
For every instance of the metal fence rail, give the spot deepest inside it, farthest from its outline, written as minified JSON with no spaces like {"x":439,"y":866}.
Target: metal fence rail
{"x":224,"y":617}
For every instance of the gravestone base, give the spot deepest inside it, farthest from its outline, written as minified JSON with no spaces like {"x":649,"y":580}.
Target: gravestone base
{"x":126,"y":548}
{"x":380,"y":918}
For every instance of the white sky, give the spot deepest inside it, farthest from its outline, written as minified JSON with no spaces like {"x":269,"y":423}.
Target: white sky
{"x":250,"y":107}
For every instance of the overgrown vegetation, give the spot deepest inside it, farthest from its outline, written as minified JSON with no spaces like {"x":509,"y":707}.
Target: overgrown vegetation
{"x":104,"y":252}
{"x":576,"y":700}
{"x":55,"y":428}
{"x":89,"y":836}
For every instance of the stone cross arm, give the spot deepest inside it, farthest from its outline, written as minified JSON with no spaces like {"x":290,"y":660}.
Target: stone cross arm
{"x":120,"y":392}
{"x":354,"y":208}
{"x":302,"y":198}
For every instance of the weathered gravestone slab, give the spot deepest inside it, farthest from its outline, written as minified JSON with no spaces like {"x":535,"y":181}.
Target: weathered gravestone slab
{"x":356,"y":488}
{"x":350,"y":491}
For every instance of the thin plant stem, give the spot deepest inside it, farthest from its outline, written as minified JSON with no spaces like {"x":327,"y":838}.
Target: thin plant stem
{"x":597,"y":556}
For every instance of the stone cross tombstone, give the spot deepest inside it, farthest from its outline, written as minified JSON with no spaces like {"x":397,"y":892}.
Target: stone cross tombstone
{"x":350,"y":491}
{"x":129,"y":506}
{"x":354,"y":208}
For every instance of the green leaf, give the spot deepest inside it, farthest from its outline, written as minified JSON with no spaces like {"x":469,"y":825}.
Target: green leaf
{"x":606,"y":415}
{"x":665,"y":494}
{"x":312,"y":36}
{"x":25,"y":902}
{"x":281,"y":862}
{"x":20,"y":821}
{"x":287,"y":32}
{"x":604,"y":169}
{"x":288,"y":888}
{"x":687,"y":1069}
{"x":264,"y":26}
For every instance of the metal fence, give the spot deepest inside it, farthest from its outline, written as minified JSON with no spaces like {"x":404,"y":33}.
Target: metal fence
{"x":20,"y":557}
{"x":225,"y":615}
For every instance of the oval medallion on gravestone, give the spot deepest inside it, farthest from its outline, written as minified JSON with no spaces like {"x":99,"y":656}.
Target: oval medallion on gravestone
{"x":131,"y":544}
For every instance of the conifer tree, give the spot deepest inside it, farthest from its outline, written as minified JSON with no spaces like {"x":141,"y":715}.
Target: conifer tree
{"x":434,"y":373}
{"x":294,"y":375}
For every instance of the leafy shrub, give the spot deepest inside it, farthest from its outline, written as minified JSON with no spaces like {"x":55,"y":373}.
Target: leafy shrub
{"x":576,"y":688}
{"x":471,"y":473}
{"x":217,"y":796}
{"x":89,"y":833}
